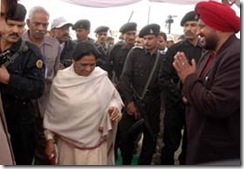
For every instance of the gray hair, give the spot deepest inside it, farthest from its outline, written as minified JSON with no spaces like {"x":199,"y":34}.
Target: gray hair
{"x":37,"y":9}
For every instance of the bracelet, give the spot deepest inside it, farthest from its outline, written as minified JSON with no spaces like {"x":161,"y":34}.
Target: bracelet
{"x":48,"y":135}
{"x":51,"y":140}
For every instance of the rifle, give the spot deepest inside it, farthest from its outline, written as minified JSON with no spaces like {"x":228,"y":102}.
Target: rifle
{"x":138,"y":100}
{"x":140,"y":107}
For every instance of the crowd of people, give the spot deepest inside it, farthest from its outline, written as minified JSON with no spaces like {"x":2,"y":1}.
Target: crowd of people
{"x":82,"y":101}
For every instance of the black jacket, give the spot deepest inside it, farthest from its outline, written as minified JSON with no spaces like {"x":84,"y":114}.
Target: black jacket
{"x":25,"y":84}
{"x":66,"y":54}
{"x":168,"y":78}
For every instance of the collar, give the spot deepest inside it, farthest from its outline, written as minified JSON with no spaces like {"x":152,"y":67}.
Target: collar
{"x":15,"y":46}
{"x":125,"y":46}
{"x":46,"y":40}
{"x":187,"y":42}
{"x":149,"y":53}
{"x":227,"y":43}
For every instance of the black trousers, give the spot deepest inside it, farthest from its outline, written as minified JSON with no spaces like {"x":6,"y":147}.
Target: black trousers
{"x":40,"y":144}
{"x":21,"y":122}
{"x":40,"y":157}
{"x":129,"y":136}
{"x":22,"y":140}
{"x":174,"y":122}
{"x":126,"y":137}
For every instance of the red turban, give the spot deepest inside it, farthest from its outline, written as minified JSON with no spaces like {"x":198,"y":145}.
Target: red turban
{"x":218,"y":16}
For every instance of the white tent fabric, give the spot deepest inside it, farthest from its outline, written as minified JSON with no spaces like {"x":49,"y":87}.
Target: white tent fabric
{"x":182,"y":2}
{"x":101,"y":3}
{"x":115,"y":3}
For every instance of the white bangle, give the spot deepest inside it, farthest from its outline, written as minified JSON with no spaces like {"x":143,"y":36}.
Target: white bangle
{"x":48,"y":135}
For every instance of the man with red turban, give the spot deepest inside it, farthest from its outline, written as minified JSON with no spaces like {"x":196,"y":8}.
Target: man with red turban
{"x":218,"y":16}
{"x":212,"y":91}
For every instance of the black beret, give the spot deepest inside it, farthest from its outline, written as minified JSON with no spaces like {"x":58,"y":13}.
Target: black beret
{"x":190,"y":16}
{"x":151,"y":29}
{"x":101,"y":29}
{"x":19,"y":14}
{"x":83,"y":48}
{"x":130,"y":26}
{"x":82,"y":24}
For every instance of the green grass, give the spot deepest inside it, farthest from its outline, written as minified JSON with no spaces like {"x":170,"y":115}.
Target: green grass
{"x":119,"y":159}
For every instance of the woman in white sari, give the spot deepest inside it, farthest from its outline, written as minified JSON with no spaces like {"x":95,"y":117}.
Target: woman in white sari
{"x":83,"y":112}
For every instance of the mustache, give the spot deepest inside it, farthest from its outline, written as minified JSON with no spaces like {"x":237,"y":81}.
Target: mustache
{"x":188,"y":33}
{"x":66,"y":35}
{"x":40,"y":33}
{"x":14,"y":34}
{"x":147,"y":45}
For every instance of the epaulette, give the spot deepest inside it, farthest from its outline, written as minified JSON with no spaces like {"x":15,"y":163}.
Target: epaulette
{"x":23,"y":48}
{"x":33,"y":48}
{"x":116,"y":46}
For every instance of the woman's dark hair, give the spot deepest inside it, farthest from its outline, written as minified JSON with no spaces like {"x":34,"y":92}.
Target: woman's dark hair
{"x":84,"y":48}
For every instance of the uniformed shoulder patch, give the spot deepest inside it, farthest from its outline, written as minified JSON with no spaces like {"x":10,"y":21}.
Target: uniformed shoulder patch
{"x":39,"y":63}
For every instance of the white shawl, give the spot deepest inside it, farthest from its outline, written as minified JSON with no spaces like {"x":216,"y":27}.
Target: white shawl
{"x":78,"y":106}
